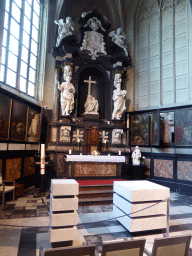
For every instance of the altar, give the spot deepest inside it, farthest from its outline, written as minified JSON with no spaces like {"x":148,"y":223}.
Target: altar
{"x":90,"y":166}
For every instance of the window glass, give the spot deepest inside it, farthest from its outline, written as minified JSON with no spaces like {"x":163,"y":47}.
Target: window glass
{"x":11,"y":78}
{"x":32,"y":75}
{"x":16,"y":12}
{"x":12,"y":61}
{"x":23,"y":70}
{"x":13,"y":45}
{"x":24,"y":54}
{"x":22,"y":84}
{"x":25,"y":39}
{"x":3,"y":55}
{"x":7,"y":5}
{"x":6,"y":20}
{"x":34,"y":33}
{"x":27,"y":10}
{"x":15,"y":28}
{"x":27,"y":24}
{"x":34,"y":47}
{"x":33,"y":61}
{"x":4,"y":37}
{"x":2,"y":73}
{"x":18,"y":2}
{"x":35,"y":20}
{"x":36,"y":7}
{"x":31,"y":89}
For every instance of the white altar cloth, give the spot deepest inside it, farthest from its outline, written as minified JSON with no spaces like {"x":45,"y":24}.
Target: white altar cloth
{"x":91,"y":158}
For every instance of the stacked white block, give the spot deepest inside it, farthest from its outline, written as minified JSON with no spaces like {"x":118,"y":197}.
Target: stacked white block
{"x":133,"y":197}
{"x":63,"y":210}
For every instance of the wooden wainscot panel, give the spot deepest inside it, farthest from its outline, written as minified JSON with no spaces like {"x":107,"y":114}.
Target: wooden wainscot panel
{"x":13,"y":169}
{"x":29,"y":169}
{"x":1,"y":165}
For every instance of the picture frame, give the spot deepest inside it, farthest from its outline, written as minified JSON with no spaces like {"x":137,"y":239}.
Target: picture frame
{"x":5,"y":116}
{"x":139,"y":129}
{"x":18,"y":124}
{"x":183,"y":127}
{"x":154,"y":128}
{"x":33,"y":125}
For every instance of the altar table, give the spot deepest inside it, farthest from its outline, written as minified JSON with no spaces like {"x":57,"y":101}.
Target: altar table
{"x":89,"y":165}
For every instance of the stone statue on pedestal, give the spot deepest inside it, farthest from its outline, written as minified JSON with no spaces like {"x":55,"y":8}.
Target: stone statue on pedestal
{"x":67,"y":92}
{"x":119,"y":39}
{"x":118,"y":97}
{"x":64,"y":29}
{"x":136,"y":155}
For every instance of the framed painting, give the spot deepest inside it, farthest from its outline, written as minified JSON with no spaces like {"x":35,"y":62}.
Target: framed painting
{"x":154,"y":128}
{"x":183,"y":127}
{"x":5,"y":115}
{"x":18,"y":121}
{"x":139,"y":128}
{"x":34,"y":125}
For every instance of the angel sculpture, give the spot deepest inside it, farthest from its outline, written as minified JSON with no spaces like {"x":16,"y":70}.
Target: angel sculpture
{"x":64,"y":29}
{"x":119,"y":39}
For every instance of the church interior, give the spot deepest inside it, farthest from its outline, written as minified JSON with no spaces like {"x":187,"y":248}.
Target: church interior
{"x":94,"y":95}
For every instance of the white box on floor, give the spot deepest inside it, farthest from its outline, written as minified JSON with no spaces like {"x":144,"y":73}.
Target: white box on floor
{"x":63,"y":234}
{"x":133,"y":196}
{"x":128,"y":207}
{"x":64,"y":187}
{"x":140,"y":224}
{"x":141,"y":190}
{"x":63,"y":219}
{"x":63,"y":204}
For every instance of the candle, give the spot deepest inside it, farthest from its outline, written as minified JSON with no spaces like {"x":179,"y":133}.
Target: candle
{"x":42,"y":168}
{"x":119,"y":153}
{"x":69,"y":151}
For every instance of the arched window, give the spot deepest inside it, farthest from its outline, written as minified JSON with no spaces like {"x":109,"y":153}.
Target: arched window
{"x":20,"y":45}
{"x":163,"y":53}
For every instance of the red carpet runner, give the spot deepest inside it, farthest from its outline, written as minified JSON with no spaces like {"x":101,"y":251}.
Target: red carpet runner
{"x":97,"y":182}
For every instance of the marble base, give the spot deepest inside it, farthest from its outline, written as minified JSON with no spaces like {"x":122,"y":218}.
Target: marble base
{"x":140,"y":224}
{"x":128,"y":207}
{"x":64,"y":187}
{"x":63,"y":219}
{"x":141,"y":190}
{"x":133,"y":196}
{"x":63,"y":204}
{"x":63,"y":234}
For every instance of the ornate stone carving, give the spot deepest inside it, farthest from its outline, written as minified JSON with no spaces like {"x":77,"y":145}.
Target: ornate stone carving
{"x":64,"y":29}
{"x":104,"y":136}
{"x":65,"y":133}
{"x":78,"y":135}
{"x":116,"y":136}
{"x":93,"y":42}
{"x":119,"y":39}
{"x":118,"y":98}
{"x":67,"y":91}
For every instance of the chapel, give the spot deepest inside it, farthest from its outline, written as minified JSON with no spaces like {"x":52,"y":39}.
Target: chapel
{"x":84,"y":84}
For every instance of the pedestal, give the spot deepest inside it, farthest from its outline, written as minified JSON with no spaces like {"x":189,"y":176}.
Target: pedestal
{"x":133,"y":197}
{"x":63,"y":210}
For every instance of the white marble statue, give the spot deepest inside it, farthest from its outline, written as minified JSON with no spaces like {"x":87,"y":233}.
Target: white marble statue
{"x":118,"y":98}
{"x":116,"y":136}
{"x":91,"y":105}
{"x":65,"y":133}
{"x":119,"y":39}
{"x":136,"y":156}
{"x":64,"y":29}
{"x":67,"y":92}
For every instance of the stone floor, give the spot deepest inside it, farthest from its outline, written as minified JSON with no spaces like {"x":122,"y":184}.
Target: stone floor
{"x":28,"y":218}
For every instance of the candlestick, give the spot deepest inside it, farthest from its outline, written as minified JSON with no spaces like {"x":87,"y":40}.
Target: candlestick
{"x":42,"y":168}
{"x":119,"y":153}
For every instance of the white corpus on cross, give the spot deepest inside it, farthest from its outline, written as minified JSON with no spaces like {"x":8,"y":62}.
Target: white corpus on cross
{"x":89,"y":84}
